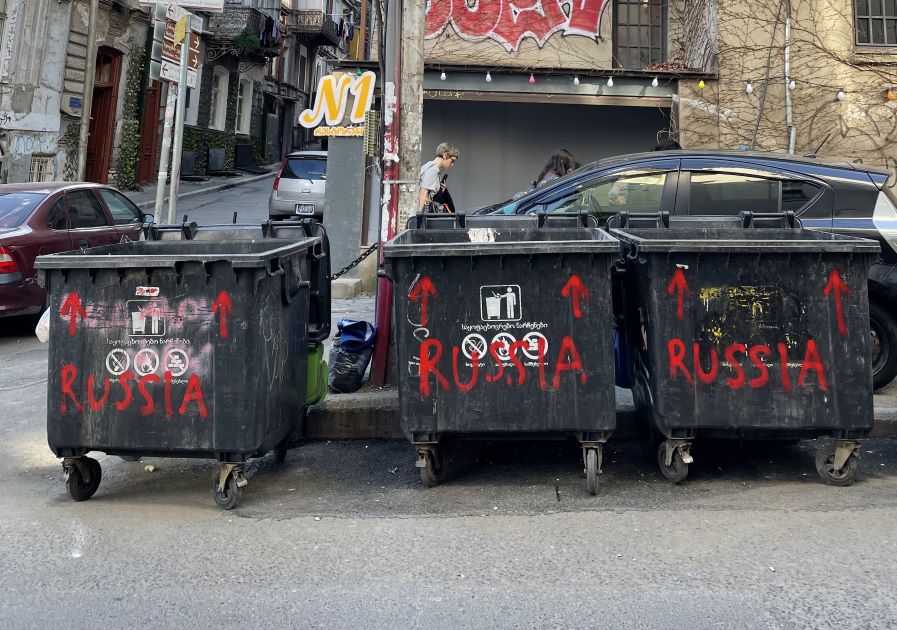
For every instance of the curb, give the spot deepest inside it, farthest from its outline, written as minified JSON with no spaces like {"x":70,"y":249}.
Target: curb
{"x":374,"y":414}
{"x":143,"y":205}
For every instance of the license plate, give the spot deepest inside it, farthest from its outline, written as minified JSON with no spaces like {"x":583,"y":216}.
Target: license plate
{"x":305,"y":208}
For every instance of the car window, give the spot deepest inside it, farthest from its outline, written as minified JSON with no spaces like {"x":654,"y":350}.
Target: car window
{"x":85,"y":210}
{"x":304,"y":168}
{"x":56,"y":216}
{"x":729,"y":193}
{"x":632,"y":193}
{"x":796,"y":194}
{"x":16,"y":207}
{"x":121,"y":209}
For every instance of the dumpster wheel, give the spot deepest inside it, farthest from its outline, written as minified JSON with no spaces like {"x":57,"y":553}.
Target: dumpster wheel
{"x":592,"y":469}
{"x":675,"y":468}
{"x":83,"y":476}
{"x":827,"y":458}
{"x":229,"y":496}
{"x":430,"y":470}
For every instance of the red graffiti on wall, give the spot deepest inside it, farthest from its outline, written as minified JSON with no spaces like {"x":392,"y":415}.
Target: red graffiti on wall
{"x":72,"y":394}
{"x":509,"y":22}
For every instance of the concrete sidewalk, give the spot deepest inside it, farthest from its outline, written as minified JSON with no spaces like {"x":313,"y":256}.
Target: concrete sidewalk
{"x":146,"y":198}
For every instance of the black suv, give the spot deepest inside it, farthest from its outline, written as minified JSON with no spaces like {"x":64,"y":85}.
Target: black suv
{"x":827,"y":195}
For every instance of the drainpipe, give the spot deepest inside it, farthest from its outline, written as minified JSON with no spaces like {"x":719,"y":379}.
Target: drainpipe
{"x":90,"y":72}
{"x":789,"y":117}
{"x":389,"y":209}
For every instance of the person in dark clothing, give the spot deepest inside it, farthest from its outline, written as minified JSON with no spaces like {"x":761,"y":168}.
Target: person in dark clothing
{"x":559,"y":164}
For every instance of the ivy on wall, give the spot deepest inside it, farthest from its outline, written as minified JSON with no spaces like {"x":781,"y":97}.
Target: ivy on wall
{"x":72,"y":138}
{"x":126,"y":170}
{"x":199,"y":141}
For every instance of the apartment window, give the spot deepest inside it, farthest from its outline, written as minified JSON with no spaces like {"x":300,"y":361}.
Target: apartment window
{"x":639,"y":32}
{"x":41,"y":169}
{"x":218,"y":101}
{"x":244,"y":105}
{"x":876,"y":22}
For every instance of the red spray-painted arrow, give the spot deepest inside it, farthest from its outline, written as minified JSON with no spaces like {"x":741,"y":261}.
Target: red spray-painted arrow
{"x":679,"y":285}
{"x":223,"y":306}
{"x":836,"y":285}
{"x":422,"y":290}
{"x":577,"y":292}
{"x":72,"y":307}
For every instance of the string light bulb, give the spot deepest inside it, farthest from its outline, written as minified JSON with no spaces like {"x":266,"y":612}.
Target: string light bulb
{"x":532,"y":79}
{"x":488,"y":77}
{"x":575,"y":80}
{"x":840,"y":95}
{"x":701,"y":84}
{"x":610,"y":82}
{"x":749,"y":88}
{"x":791,"y":84}
{"x":442,"y":76}
{"x":358,"y":72}
{"x":890,"y":94}
{"x":655,"y":82}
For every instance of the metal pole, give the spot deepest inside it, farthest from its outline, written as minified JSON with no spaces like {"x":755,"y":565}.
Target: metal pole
{"x":389,"y":209}
{"x":90,"y":72}
{"x":789,"y":118}
{"x":166,"y":151}
{"x":412,"y":99}
{"x":179,"y":130}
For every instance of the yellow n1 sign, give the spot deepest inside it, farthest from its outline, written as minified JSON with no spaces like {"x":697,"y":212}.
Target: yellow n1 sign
{"x":333,"y":98}
{"x":180,"y":29}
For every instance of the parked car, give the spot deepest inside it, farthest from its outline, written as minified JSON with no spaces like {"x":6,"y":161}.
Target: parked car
{"x":827,"y":195}
{"x":299,"y":186}
{"x":46,"y":218}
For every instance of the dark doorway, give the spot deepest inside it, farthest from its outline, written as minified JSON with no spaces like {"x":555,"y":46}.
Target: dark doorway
{"x":149,"y":134}
{"x":102,"y":122}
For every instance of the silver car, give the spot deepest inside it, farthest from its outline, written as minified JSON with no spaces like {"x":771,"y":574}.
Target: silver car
{"x":299,"y":186}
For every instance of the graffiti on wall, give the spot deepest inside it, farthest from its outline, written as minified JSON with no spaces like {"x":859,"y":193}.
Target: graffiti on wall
{"x":509,"y":22}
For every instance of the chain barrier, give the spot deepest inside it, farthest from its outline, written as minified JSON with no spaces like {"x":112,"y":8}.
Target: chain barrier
{"x":355,"y":262}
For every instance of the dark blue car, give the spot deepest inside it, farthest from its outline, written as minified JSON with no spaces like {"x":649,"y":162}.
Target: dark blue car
{"x":847,"y":198}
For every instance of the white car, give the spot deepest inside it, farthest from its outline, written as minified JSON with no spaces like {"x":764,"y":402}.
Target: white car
{"x":298,"y":189}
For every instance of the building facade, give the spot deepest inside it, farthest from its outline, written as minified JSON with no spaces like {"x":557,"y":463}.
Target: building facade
{"x":258,"y":64}
{"x":510,"y":82}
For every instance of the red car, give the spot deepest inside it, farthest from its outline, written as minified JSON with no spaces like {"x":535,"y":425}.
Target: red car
{"x":46,"y":218}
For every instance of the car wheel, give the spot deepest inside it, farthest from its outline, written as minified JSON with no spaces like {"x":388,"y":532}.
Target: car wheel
{"x":884,"y":345}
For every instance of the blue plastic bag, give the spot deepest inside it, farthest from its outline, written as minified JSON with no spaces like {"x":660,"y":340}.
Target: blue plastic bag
{"x":350,"y":354}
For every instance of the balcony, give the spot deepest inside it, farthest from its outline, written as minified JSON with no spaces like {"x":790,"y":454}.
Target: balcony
{"x":312,"y":27}
{"x":236,"y":31}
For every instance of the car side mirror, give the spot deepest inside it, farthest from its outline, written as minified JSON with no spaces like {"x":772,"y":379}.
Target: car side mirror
{"x":148,"y":220}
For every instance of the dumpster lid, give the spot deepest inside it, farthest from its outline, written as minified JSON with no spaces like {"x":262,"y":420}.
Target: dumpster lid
{"x":169,"y":253}
{"x":699,"y":238}
{"x":499,"y":239}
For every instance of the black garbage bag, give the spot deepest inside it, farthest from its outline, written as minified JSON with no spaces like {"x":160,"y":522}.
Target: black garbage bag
{"x":350,"y":354}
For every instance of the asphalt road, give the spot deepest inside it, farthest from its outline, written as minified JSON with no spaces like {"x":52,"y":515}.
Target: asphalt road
{"x":343,"y":534}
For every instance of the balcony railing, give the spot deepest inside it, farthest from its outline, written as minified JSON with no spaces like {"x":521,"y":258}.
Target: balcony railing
{"x":232,"y":23}
{"x":313,"y":28}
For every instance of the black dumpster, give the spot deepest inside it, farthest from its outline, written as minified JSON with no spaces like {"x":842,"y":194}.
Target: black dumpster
{"x":504,"y":329}
{"x":176,"y":349}
{"x":748,"y":327}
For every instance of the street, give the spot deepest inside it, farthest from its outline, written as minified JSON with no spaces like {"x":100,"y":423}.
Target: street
{"x":343,"y":534}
